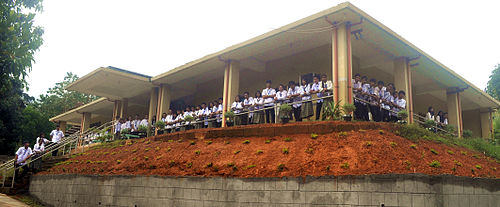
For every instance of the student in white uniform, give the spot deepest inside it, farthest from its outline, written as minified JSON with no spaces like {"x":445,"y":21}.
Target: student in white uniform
{"x":169,"y":120}
{"x":237,"y":108}
{"x":294,"y":94}
{"x":38,"y":149}
{"x":445,"y":119}
{"x":281,"y":98}
{"x":268,"y":95}
{"x":258,"y":103}
{"x":198,"y":115}
{"x":247,"y":107}
{"x":394,"y":109}
{"x":144,"y":122}
{"x":430,"y":114}
{"x":365,"y":95}
{"x":386,"y":101}
{"x":206,"y":114}
{"x":22,"y":155}
{"x":307,"y":108}
{"x":219,"y":112}
{"x":316,"y":89}
{"x":179,"y":120}
{"x":125,"y":124}
{"x":327,"y":90}
{"x":42,"y":137}
{"x":211,"y":114}
{"x":401,"y":102}
{"x":356,"y":90}
{"x":56,"y":135}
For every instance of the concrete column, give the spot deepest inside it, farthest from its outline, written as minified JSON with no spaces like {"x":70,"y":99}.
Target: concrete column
{"x":231,"y":86}
{"x":124,"y":108}
{"x":116,"y":112}
{"x":62,"y":126}
{"x":153,"y":103}
{"x":486,"y":123}
{"x":164,"y":99}
{"x":402,"y":81}
{"x":342,"y":64}
{"x":85,"y":125}
{"x":454,"y":110}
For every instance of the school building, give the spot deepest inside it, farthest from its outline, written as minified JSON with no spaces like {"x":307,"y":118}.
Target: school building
{"x":339,"y":42}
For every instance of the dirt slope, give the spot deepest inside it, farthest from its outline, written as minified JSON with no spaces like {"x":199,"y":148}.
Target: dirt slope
{"x":345,"y":153}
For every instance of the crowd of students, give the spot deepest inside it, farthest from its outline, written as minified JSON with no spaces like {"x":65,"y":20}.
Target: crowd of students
{"x":374,"y":100}
{"x":441,"y":118}
{"x":25,"y":152}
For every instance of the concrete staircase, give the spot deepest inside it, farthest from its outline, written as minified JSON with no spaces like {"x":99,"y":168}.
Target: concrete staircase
{"x":21,"y":186}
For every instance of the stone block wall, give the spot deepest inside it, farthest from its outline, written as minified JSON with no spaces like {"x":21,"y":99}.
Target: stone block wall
{"x":373,"y":190}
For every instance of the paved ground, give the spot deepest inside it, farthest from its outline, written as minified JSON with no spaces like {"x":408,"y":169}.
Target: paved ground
{"x":10,"y":202}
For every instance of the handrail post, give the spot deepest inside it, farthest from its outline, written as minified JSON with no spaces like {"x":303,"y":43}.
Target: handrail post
{"x":3,"y":177}
{"x":13,"y":177}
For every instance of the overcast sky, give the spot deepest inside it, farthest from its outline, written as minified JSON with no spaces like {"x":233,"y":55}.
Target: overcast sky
{"x":151,"y":37}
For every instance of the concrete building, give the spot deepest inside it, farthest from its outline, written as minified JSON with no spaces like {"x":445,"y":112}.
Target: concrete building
{"x":340,"y":42}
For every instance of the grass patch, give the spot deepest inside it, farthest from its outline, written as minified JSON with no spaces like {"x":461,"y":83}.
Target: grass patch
{"x":197,"y":152}
{"x":435,"y":164}
{"x":450,"y":152}
{"x":287,"y":139}
{"x":189,"y":164}
{"x":285,"y":151}
{"x":314,"y":136}
{"x":413,"y":146}
{"x":434,"y":151}
{"x":260,"y":152}
{"x":393,"y":144}
{"x":345,"y":165}
{"x":268,"y":141}
{"x":368,"y":144}
{"x":281,"y":167}
{"x":246,"y":142}
{"x":208,"y":142}
{"x":236,"y":152}
{"x":478,"y":167}
{"x":415,"y":133}
{"x":343,"y":134}
{"x":249,"y":166}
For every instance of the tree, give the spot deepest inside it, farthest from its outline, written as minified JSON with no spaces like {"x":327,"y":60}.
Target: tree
{"x":33,"y":123}
{"x":493,"y":87}
{"x":59,"y":100}
{"x":19,"y":40}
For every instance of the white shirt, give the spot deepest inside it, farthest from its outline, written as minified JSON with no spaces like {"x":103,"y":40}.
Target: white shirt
{"x":401,"y":103}
{"x":281,"y":96}
{"x":56,"y":135}
{"x":44,"y":140}
{"x":22,"y":153}
{"x":143,"y":122}
{"x":445,"y":121}
{"x":307,"y":94}
{"x":295,"y":91}
{"x":269,"y":92}
{"x":258,"y":103}
{"x":237,"y":107}
{"x":39,"y":147}
{"x":317,"y":87}
{"x":248,"y":103}
{"x":125,"y":125}
{"x":219,"y":111}
{"x":429,"y":116}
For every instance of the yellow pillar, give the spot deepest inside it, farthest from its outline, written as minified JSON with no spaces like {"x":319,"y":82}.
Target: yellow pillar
{"x":231,"y":86}
{"x":116,"y":112}
{"x":164,"y":98}
{"x":486,"y":123}
{"x":85,"y":125}
{"x":124,"y":108}
{"x":342,"y":64}
{"x":62,"y":126}
{"x":153,"y":103}
{"x":402,"y":81}
{"x":454,"y":110}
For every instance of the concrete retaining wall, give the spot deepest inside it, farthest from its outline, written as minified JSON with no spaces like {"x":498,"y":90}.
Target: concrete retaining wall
{"x":390,"y":190}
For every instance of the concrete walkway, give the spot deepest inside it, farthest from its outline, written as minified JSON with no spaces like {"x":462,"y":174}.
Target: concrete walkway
{"x":10,"y":202}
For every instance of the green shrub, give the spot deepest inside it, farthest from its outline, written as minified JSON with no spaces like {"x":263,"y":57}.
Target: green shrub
{"x":197,"y":152}
{"x":236,"y":152}
{"x":403,"y":115}
{"x":345,"y":165}
{"x":209,"y":165}
{"x":368,"y":144}
{"x":229,"y":115}
{"x":125,"y":131}
{"x":467,"y":133}
{"x":208,"y":142}
{"x":429,"y":123}
{"x":393,"y":144}
{"x":314,"y":136}
{"x":413,"y":146}
{"x":285,"y":110}
{"x":285,"y":150}
{"x":192,"y":142}
{"x":309,"y":150}
{"x":435,"y":164}
{"x":349,"y":108}
{"x":260,"y":151}
{"x":268,"y":141}
{"x":189,"y":164}
{"x":188,"y":118}
{"x":450,"y":152}
{"x":287,"y":139}
{"x":250,"y":166}
{"x":343,"y":134}
{"x":160,"y":125}
{"x":281,"y":167}
{"x":478,"y":167}
{"x":246,"y":142}
{"x":142,"y":128}
{"x":434,"y":152}
{"x":450,"y":128}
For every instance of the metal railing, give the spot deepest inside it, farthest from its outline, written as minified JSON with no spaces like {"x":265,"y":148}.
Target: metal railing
{"x":72,"y":142}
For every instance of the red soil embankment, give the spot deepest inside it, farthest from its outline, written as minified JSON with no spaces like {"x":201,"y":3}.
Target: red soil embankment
{"x":355,"y":152}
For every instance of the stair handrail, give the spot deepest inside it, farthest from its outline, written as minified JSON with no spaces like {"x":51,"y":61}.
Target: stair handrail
{"x":74,"y":138}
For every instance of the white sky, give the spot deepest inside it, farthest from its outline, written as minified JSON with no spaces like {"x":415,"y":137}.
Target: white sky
{"x":151,"y":37}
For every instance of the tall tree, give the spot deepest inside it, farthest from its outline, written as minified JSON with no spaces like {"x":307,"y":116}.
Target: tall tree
{"x":59,"y":100}
{"x":493,"y":87}
{"x":19,"y":40}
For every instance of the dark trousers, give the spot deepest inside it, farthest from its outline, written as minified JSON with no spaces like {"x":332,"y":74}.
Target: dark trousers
{"x":16,"y":172}
{"x":54,"y":153}
{"x":270,"y":114}
{"x":244,"y":119}
{"x":296,"y":113}
{"x":375,"y":110}
{"x":385,"y":115}
{"x":318,"y":109}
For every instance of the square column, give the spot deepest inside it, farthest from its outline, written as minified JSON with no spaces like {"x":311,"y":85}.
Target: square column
{"x":124,"y":108}
{"x":85,"y":124}
{"x":231,"y":86}
{"x":342,"y":64}
{"x":402,"y":81}
{"x":116,"y":112}
{"x":454,"y":110}
{"x":164,"y":98}
{"x":153,"y":103}
{"x":486,"y":123}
